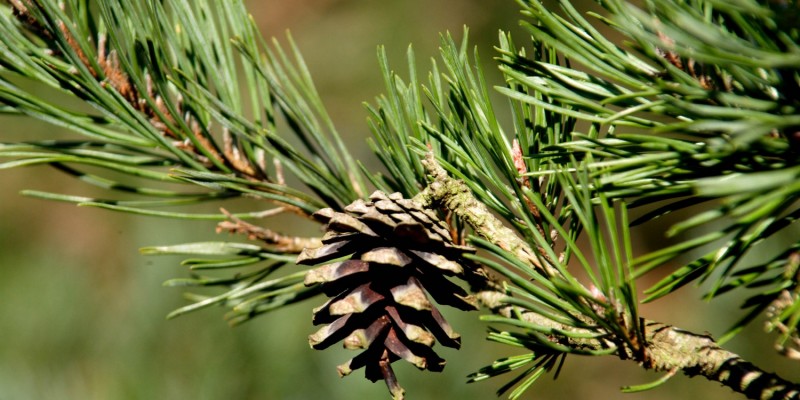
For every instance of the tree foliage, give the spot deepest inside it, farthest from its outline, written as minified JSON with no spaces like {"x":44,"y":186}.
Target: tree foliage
{"x":696,"y":109}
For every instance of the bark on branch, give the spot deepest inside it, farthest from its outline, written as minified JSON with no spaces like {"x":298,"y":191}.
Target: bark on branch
{"x":455,"y":196}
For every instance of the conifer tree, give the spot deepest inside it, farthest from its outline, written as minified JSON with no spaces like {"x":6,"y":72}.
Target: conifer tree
{"x":699,"y":104}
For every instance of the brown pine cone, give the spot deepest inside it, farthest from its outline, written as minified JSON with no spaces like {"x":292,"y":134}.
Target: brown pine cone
{"x":389,"y":254}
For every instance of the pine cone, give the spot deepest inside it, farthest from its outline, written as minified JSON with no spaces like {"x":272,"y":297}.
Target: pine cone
{"x":396,"y":253}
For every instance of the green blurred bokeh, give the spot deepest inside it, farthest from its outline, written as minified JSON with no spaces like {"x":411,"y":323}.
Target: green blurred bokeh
{"x":82,"y":312}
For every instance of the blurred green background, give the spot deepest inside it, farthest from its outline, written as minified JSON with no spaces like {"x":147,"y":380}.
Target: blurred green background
{"x":82,"y":312}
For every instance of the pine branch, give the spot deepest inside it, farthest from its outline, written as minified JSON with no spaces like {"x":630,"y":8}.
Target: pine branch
{"x":666,"y":348}
{"x":670,"y":349}
{"x":170,"y":90}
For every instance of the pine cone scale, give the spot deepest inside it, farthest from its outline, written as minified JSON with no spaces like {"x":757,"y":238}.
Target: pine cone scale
{"x":327,"y":252}
{"x":356,"y":301}
{"x":386,"y":256}
{"x":362,"y":338}
{"x":439,"y":262}
{"x":321,"y":339}
{"x":332,"y":272}
{"x":400,"y":349}
{"x":412,"y":332}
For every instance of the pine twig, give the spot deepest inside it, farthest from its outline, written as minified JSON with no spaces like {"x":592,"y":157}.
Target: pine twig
{"x":282,"y":243}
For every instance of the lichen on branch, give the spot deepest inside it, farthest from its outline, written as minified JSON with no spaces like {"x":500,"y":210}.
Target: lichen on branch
{"x":455,"y":196}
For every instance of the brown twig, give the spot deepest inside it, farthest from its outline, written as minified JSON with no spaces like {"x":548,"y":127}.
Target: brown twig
{"x":278,"y":171}
{"x":690,"y":66}
{"x":234,"y":155}
{"x":524,"y":181}
{"x":282,"y":243}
